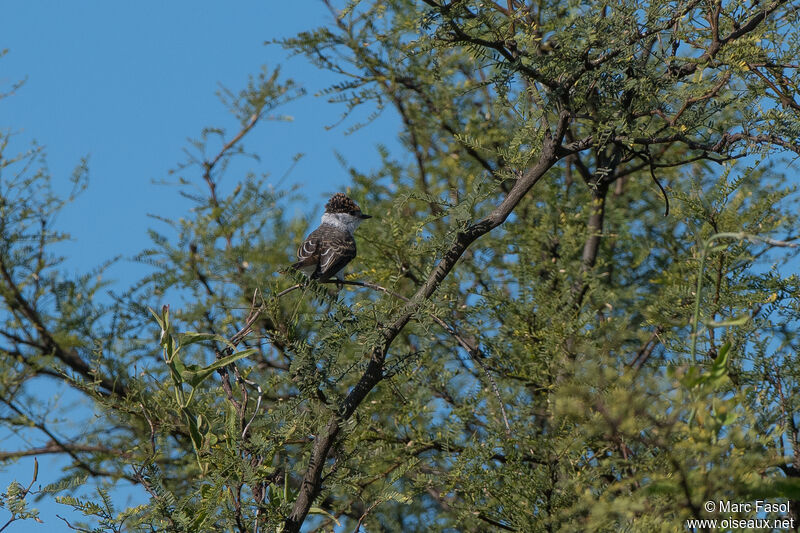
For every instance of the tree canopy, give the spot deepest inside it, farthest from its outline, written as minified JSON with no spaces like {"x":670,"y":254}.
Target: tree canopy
{"x":576,"y":309}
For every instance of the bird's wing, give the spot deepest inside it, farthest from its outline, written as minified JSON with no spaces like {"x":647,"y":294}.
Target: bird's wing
{"x":334,"y":255}
{"x":324,"y":253}
{"x":308,"y":254}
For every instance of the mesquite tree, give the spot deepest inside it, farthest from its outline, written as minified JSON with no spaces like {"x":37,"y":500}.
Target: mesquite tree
{"x":574,"y":311}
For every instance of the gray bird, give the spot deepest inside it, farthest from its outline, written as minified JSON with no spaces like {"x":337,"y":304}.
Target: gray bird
{"x":328,"y":249}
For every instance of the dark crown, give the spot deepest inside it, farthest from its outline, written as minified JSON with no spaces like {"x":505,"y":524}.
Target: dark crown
{"x":340,"y":203}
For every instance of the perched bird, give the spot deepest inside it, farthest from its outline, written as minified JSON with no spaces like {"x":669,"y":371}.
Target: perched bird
{"x":328,"y":249}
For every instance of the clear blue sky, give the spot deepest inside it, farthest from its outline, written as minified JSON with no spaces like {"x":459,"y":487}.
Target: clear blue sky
{"x":126,"y":83}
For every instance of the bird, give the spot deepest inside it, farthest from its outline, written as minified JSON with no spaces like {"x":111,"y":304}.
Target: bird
{"x":330,"y":247}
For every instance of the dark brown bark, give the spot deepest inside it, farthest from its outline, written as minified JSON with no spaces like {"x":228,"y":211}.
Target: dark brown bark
{"x":594,"y":228}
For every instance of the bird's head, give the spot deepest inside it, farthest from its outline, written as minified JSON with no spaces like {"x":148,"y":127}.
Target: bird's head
{"x":342,"y":211}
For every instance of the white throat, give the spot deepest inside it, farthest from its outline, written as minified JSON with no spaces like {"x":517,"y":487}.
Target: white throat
{"x":343,"y":221}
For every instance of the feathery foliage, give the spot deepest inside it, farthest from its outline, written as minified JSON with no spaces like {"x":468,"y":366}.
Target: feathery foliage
{"x":576,"y":311}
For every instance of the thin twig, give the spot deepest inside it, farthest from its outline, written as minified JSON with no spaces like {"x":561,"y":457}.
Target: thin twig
{"x":363,"y":516}
{"x":287,"y":291}
{"x":655,"y":179}
{"x":258,"y":405}
{"x":74,"y":528}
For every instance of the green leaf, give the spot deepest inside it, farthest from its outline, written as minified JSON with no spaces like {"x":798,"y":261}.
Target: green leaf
{"x":716,"y":248}
{"x":318,"y":510}
{"x":157,"y":317}
{"x":719,"y":369}
{"x":196,"y":377}
{"x":192,"y":337}
{"x":194,"y":431}
{"x":738,"y":321}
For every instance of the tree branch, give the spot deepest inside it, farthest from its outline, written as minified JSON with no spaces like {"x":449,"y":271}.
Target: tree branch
{"x":69,"y":357}
{"x":312,"y":480}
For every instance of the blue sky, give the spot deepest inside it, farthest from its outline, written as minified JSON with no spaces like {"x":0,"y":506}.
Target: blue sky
{"x":126,"y":83}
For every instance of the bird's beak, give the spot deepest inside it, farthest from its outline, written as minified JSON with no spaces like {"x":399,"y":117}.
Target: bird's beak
{"x":363,"y":216}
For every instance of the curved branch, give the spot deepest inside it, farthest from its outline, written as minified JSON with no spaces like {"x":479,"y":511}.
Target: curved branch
{"x":312,"y":479}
